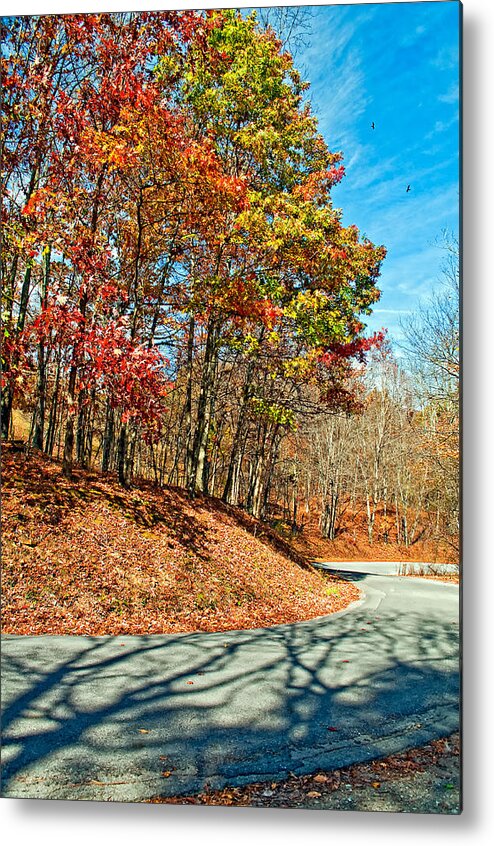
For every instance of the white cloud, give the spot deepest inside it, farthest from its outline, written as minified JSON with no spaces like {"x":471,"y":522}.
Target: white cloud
{"x":412,"y":37}
{"x":442,"y":126}
{"x":446,"y":58}
{"x":451,"y":95}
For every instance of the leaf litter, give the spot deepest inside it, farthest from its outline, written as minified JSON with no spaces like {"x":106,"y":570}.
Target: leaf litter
{"x":87,"y":557}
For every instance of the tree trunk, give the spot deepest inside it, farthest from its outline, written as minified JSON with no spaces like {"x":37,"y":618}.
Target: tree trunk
{"x":81,"y":428}
{"x":68,"y":449}
{"x":122,"y":456}
{"x":201,"y":436}
{"x":188,"y":404}
{"x":130,"y":455}
{"x":329,"y":513}
{"x":39,"y":432}
{"x":8,"y":392}
{"x":68,"y":454}
{"x":52,"y":419}
{"x":272,"y":459}
{"x":7,"y":398}
{"x":39,"y":429}
{"x":108,"y":438}
{"x":230,"y":495}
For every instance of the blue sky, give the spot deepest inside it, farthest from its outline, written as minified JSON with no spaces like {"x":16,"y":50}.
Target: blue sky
{"x":397,"y":65}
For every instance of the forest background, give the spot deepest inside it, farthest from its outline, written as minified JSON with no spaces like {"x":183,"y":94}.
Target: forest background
{"x":181,"y":300}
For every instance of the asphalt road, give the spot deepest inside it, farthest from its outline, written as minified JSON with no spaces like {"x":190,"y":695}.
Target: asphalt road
{"x":127,"y":718}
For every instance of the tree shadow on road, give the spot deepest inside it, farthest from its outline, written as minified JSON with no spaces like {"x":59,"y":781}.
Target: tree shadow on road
{"x":87,"y":717}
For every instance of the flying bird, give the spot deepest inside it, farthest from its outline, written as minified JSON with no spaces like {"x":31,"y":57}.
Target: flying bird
{"x":408,"y":189}
{"x":373,"y":125}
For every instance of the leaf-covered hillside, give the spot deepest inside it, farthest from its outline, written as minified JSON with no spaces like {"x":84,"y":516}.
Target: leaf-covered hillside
{"x":88,"y":557}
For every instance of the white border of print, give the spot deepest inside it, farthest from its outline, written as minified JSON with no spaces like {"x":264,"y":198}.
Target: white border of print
{"x":76,"y":823}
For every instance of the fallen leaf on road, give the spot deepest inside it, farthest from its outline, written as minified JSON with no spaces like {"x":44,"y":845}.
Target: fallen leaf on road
{"x":313,"y":794}
{"x":100,"y":783}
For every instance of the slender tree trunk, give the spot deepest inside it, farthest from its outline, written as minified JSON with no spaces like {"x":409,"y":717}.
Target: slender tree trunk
{"x":88,"y":444}
{"x":84,"y":427}
{"x":122,"y":456}
{"x":370,"y":519}
{"x":234,"y":498}
{"x":130,"y":454}
{"x":126,"y":449}
{"x":210,"y":418}
{"x":385,"y":513}
{"x":397,"y":516}
{"x":108,"y":438}
{"x":255,"y":467}
{"x":81,"y":427}
{"x":204,"y":412}
{"x":188,"y":404}
{"x":68,"y":454}
{"x":7,"y":399}
{"x":404,"y":529}
{"x":271,"y":464}
{"x":255,"y":496}
{"x":330,"y":511}
{"x":154,"y":466}
{"x":68,"y":450}
{"x":39,"y":431}
{"x":52,"y":419}
{"x":229,"y":493}
{"x":8,"y":392}
{"x":59,"y":427}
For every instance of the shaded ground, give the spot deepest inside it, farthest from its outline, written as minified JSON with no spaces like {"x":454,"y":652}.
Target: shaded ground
{"x":88,"y":557}
{"x":424,"y":780}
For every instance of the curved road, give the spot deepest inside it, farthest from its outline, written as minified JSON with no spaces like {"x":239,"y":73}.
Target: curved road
{"x":126,"y":718}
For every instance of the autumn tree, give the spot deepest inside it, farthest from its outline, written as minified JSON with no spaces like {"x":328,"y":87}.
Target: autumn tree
{"x":277,"y":258}
{"x":91,"y":76}
{"x":177,"y":275}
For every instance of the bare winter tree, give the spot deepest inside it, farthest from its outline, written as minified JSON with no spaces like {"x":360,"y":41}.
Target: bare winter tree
{"x":432,"y":347}
{"x":432,"y":334}
{"x":292,"y":25}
